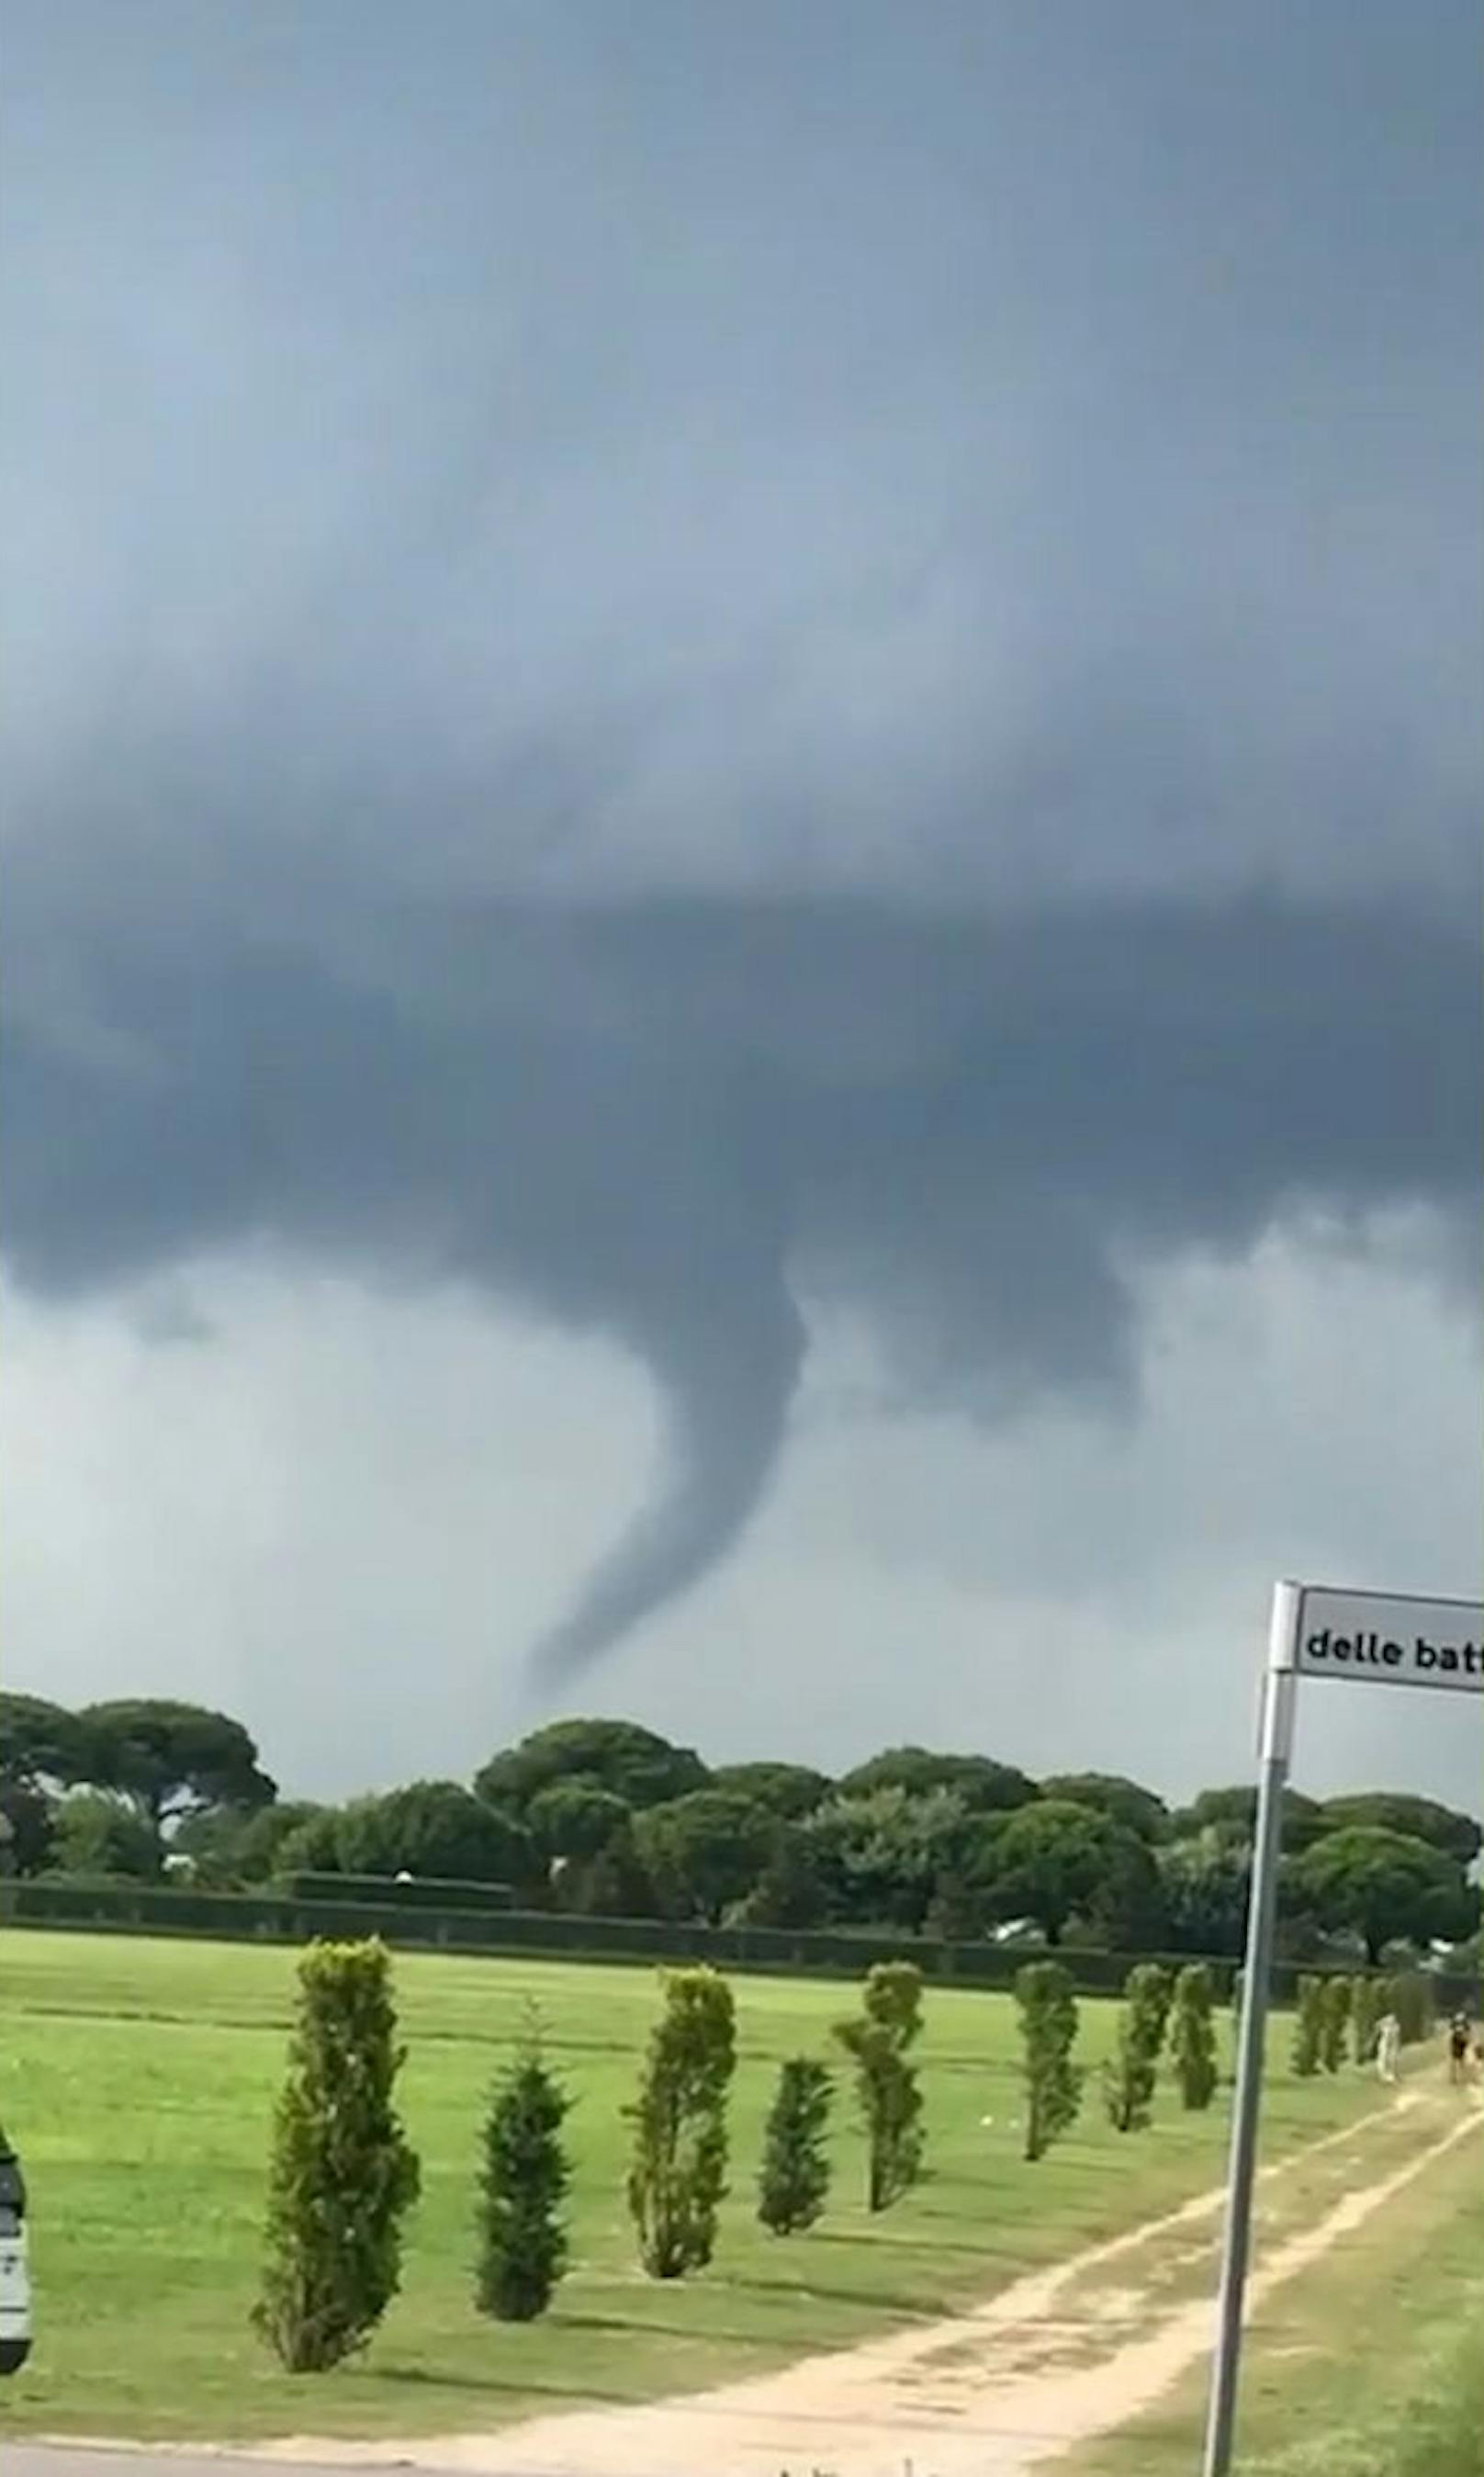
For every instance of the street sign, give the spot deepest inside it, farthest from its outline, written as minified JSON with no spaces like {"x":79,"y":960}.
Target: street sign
{"x":1383,"y":1640}
{"x":1380,"y":1639}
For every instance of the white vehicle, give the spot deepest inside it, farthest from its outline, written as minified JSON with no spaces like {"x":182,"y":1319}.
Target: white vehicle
{"x":15,"y":2269}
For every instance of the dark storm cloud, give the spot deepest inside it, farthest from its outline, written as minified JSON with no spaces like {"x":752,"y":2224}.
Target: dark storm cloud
{"x":682,"y":1125}
{"x":730,"y":447}
{"x":652,"y":662}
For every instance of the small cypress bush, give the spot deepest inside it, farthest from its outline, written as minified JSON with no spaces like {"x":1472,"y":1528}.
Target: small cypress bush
{"x":890,"y":2108}
{"x":1049,"y":2026}
{"x":795,"y":2175}
{"x":1192,"y":2036}
{"x":678,"y":2176}
{"x":1160,"y":1998}
{"x":893,"y":1996}
{"x":342,"y":2175}
{"x":1410,"y":1996}
{"x":1129,"y":2076}
{"x":1309,"y":2028}
{"x":523,"y":2184}
{"x":877,"y":2041}
{"x":1335,"y":2022}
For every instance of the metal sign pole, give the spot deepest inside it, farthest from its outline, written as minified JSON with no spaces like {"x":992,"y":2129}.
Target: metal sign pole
{"x":1277,"y":1747}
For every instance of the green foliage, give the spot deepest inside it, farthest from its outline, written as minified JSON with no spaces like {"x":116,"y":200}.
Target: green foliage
{"x":1123,"y":1801}
{"x":1048,"y":2030}
{"x":613,"y":1884}
{"x":432,"y":1828}
{"x":575,"y":1820}
{"x":1232,"y":1815}
{"x":445,"y":1898}
{"x":1193,"y":2036}
{"x":342,"y":2175}
{"x":788,"y":1891}
{"x":28,"y":1828}
{"x":790,"y":1790}
{"x":40,"y":1745}
{"x":932,"y":1843}
{"x":1418,"y":1818}
{"x":632,"y":1762}
{"x":1368,"y":2008}
{"x":478,"y":1919}
{"x":1382,"y":1886}
{"x":74,"y":2005}
{"x":878,"y":2043}
{"x":1309,"y":2027}
{"x":890,"y":2110}
{"x":912,"y":1839}
{"x":956,"y":1911}
{"x":523,"y":2184}
{"x":231,"y":1846}
{"x":260,"y":1836}
{"x":1335,"y":2023}
{"x":881,"y":1853}
{"x":678,"y":2175}
{"x":170,"y":1758}
{"x":892,"y":1998}
{"x":1049,"y":1861}
{"x":983,"y":1786}
{"x":1127,"y":1909}
{"x":1161,"y":2001}
{"x":1129,"y":2076}
{"x":309,"y":1847}
{"x":1204,"y":1881}
{"x":1409,"y":1995}
{"x":704,"y":1851}
{"x":795,"y":2174}
{"x":94,"y":1834}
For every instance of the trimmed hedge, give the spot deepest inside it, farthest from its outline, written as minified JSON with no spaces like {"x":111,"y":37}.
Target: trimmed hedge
{"x":416,"y":1892}
{"x":147,"y":1909}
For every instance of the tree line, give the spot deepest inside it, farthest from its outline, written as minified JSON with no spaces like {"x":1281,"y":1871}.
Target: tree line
{"x":609,"y":1819}
{"x":343,"y":2176}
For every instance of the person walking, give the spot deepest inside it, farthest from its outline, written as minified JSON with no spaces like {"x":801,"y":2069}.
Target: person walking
{"x":1460,"y":2038}
{"x":1388,"y":2046}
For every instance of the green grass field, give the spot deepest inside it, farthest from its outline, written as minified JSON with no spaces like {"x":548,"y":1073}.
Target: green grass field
{"x":1371,"y":2366}
{"x":137,"y":2080}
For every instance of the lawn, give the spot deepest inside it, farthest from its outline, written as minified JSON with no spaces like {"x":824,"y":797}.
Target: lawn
{"x":137,"y":2079}
{"x":1372,"y":2367}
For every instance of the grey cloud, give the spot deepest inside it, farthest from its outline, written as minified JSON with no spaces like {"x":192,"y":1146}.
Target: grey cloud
{"x":653,"y":663}
{"x":682,"y":1126}
{"x":809,"y":452}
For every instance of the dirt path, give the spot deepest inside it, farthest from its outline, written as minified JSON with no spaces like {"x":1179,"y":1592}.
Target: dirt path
{"x":978,"y":2397}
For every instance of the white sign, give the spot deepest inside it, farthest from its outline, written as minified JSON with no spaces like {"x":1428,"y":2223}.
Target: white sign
{"x":1383,"y":1640}
{"x":1378,"y":1639}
